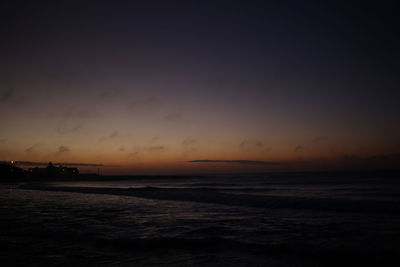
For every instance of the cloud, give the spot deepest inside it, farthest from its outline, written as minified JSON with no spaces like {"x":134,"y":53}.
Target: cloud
{"x":252,"y":143}
{"x":121,"y":149}
{"x":33,"y":148}
{"x":3,"y":140}
{"x":29,"y":149}
{"x":63,"y":149}
{"x":298,"y":148}
{"x":249,"y":162}
{"x":154,"y":139}
{"x":6,"y":95}
{"x":65,"y":128}
{"x":189,"y":141}
{"x":112,"y":135}
{"x":155,"y":148}
{"x":138,"y":150}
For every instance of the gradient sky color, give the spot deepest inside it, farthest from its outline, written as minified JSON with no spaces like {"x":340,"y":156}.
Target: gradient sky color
{"x":147,"y":87}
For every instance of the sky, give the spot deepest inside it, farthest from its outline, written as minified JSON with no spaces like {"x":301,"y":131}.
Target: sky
{"x":201,"y":87}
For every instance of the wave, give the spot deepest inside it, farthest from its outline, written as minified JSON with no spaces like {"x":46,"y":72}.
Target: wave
{"x":288,"y":254}
{"x":224,"y":198}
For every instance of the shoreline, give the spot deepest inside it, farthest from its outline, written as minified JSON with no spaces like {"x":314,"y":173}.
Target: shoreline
{"x":286,"y":174}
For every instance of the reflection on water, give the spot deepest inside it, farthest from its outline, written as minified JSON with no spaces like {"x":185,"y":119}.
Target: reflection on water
{"x":296,"y":221}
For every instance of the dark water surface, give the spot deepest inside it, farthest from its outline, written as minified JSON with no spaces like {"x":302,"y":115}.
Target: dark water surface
{"x":234,"y":220}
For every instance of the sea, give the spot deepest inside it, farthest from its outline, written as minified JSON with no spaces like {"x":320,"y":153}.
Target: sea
{"x":273,"y":219}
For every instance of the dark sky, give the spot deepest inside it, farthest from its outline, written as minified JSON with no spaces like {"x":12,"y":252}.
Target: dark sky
{"x":159,"y":83}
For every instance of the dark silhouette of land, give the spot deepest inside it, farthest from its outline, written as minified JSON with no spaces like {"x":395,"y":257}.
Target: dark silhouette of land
{"x":11,"y":173}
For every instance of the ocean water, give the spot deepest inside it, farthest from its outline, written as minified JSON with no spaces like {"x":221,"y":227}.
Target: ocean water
{"x":222,"y":220}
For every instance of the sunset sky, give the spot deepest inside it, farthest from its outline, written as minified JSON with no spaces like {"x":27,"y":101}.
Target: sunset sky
{"x":195,"y":87}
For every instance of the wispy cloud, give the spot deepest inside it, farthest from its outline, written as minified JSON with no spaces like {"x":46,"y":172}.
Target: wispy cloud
{"x":154,"y":139}
{"x":252,"y":143}
{"x":33,"y":148}
{"x":65,"y":128}
{"x":112,"y":135}
{"x":189,"y":141}
{"x":63,"y":149}
{"x":249,"y":162}
{"x":147,"y":149}
{"x":29,"y":149}
{"x":154,"y":148}
{"x":298,"y":148}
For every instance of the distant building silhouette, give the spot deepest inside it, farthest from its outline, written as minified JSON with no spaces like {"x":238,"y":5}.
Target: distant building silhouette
{"x":8,"y":170}
{"x":53,"y":172}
